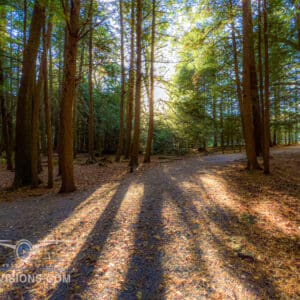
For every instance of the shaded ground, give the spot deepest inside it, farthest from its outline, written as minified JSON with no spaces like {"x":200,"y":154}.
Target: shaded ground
{"x":198,"y":228}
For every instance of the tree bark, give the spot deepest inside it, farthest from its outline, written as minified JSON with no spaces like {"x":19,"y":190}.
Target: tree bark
{"x":3,"y":108}
{"x":134,"y":159}
{"x":35,"y":126}
{"x":91,"y":101}
{"x":257,"y":120}
{"x":260,"y":73}
{"x":68,"y":95}
{"x":247,"y":87}
{"x":23,"y":174}
{"x":236,"y":68}
{"x":151,"y":90}
{"x":122,"y":100}
{"x":266,"y":152}
{"x":47,"y":101}
{"x":130,"y":94}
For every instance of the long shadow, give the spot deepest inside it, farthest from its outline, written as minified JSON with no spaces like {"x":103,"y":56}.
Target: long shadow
{"x":46,"y":213}
{"x":189,"y":213}
{"x":277,"y":181}
{"x":254,"y":273}
{"x":144,"y":279}
{"x":227,"y":221}
{"x":145,"y":273}
{"x":83,"y":265}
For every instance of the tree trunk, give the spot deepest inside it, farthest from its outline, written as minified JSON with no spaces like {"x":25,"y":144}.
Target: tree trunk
{"x":130,"y":94}
{"x":25,"y":23}
{"x":151,"y":90}
{"x":215,"y":120}
{"x":260,"y":73}
{"x":266,"y":151}
{"x":121,"y":132}
{"x":76,"y":102}
{"x":236,"y":68}
{"x":4,"y":114}
{"x":222,"y":124}
{"x":47,"y":103}
{"x":257,"y":119}
{"x":23,"y":175}
{"x":35,"y":145}
{"x":247,"y":88}
{"x":134,"y":159}
{"x":91,"y":101}
{"x":68,"y":95}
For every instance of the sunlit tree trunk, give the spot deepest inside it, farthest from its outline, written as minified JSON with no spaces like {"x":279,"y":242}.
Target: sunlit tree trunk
{"x":134,"y":159}
{"x":122,"y":100}
{"x":130,"y":93}
{"x":247,"y":88}
{"x":151,"y":90}
{"x":23,"y":157}
{"x":68,"y":95}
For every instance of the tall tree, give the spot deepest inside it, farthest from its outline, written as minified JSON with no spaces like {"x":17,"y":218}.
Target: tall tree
{"x":91,"y":100}
{"x":122,"y":102}
{"x":3,"y":104}
{"x":134,"y":159}
{"x":151,"y":90}
{"x":47,"y":99}
{"x":130,"y":93}
{"x":260,"y":70}
{"x":72,"y":12}
{"x":247,"y":86}
{"x":236,"y":65}
{"x":266,"y":151}
{"x":23,"y":157}
{"x":36,"y":118}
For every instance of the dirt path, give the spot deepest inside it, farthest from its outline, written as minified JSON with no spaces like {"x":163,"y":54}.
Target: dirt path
{"x":181,"y":230}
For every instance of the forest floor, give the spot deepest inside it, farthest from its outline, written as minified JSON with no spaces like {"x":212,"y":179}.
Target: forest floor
{"x":192,"y":228}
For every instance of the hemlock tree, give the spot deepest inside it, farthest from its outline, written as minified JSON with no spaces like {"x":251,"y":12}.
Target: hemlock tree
{"x":23,"y":152}
{"x":134,"y":159}
{"x":247,"y":86}
{"x":68,"y":93}
{"x":151,"y":90}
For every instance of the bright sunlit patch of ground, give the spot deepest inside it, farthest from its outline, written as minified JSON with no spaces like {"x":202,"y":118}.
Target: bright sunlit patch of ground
{"x":70,"y":236}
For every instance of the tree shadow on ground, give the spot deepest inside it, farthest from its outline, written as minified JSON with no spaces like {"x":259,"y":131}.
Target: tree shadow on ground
{"x":278,"y":182}
{"x":253,"y":275}
{"x":256,"y":274}
{"x":145,"y":276}
{"x":83,"y":265}
{"x":39,"y":264}
{"x":145,"y":272}
{"x":34,"y":218}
